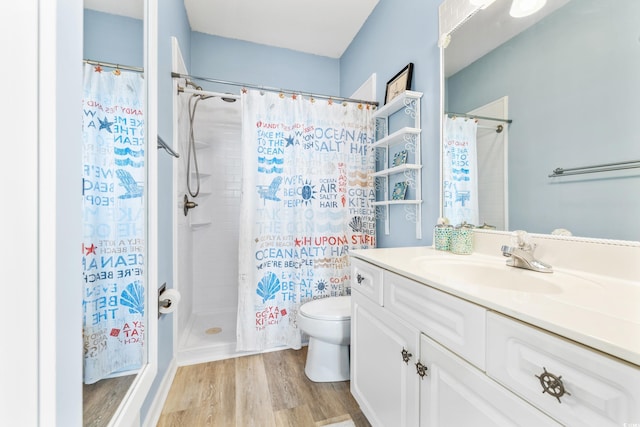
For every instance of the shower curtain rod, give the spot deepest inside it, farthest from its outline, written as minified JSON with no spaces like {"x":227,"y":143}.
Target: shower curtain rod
{"x":272,"y":89}
{"x":112,"y":65}
{"x":473,"y":116}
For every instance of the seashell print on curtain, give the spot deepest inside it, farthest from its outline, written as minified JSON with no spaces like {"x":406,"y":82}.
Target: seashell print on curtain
{"x":307,"y":196}
{"x":113,"y":202}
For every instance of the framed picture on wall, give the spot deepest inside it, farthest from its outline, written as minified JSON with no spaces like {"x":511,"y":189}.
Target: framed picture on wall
{"x":399,"y":83}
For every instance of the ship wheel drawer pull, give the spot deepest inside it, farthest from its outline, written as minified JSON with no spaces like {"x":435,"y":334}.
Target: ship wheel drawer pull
{"x":406,"y":355}
{"x":421,"y":370}
{"x":552,"y":384}
{"x":359,"y":278}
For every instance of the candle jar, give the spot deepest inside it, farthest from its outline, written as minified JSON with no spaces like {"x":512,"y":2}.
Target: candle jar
{"x":442,"y":237}
{"x":462,"y":240}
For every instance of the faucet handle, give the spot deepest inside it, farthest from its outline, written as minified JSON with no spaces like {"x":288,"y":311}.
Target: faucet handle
{"x":522,"y":240}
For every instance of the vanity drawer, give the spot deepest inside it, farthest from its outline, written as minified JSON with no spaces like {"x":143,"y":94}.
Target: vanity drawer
{"x":456,"y":324}
{"x":599,"y":390}
{"x":366,"y":279}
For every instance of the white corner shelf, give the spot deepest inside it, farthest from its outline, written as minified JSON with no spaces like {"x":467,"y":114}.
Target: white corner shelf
{"x":397,"y":169}
{"x":397,"y":103}
{"x":408,"y":103}
{"x":397,"y":137}
{"x":397,"y":202}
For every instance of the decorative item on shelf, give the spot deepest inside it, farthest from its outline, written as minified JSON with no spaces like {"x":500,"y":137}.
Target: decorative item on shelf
{"x":462,"y":239}
{"x":399,"y":191}
{"x":442,"y":235}
{"x":400,"y":158}
{"x":399,"y":83}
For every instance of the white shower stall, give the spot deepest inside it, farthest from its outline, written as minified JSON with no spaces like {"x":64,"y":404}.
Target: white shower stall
{"x":206,"y":238}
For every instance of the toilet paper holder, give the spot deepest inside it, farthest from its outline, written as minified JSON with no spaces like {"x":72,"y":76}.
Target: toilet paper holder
{"x":166,"y":300}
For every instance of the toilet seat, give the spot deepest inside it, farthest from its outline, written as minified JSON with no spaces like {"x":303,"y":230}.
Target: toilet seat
{"x":332,"y":308}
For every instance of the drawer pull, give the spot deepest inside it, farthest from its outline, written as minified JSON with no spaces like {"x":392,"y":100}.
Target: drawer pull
{"x":552,"y":384}
{"x":359,"y":278}
{"x":421,"y":370}
{"x":406,"y":355}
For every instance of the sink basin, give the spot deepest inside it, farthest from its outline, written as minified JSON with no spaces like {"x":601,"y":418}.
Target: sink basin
{"x":500,"y":276}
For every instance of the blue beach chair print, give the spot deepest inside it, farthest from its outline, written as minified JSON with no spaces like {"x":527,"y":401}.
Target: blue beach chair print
{"x":130,"y":185}
{"x":269,"y":192}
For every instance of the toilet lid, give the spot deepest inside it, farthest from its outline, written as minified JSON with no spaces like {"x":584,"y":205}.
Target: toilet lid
{"x":332,"y":308}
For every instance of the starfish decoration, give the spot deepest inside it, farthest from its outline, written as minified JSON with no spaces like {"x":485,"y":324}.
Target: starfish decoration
{"x":105,"y":124}
{"x":116,"y":72}
{"x":289,"y":141}
{"x":330,"y":101}
{"x":244,"y":90}
{"x":368,"y":107}
{"x":89,"y":249}
{"x":294,"y":96}
{"x":97,"y":69}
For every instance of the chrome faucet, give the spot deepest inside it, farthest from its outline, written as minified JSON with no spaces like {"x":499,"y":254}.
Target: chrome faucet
{"x":521,"y":254}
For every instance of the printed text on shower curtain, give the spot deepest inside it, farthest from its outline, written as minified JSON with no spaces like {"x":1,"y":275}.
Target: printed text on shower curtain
{"x":307,"y":200}
{"x":113,"y":201}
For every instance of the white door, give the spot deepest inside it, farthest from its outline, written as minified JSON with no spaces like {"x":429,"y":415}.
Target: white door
{"x":454,"y":393}
{"x":41,"y":357}
{"x":385,"y":386}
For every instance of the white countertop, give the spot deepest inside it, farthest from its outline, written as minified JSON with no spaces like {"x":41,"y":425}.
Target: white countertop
{"x":598,"y":311}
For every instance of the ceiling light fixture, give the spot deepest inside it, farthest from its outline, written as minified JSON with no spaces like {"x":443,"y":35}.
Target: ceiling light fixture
{"x":522,"y":8}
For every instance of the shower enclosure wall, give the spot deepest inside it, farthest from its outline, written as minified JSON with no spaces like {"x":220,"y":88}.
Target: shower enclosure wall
{"x":207,"y":237}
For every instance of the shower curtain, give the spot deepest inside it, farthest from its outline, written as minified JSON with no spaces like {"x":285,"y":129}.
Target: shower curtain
{"x":460,"y":171}
{"x":307,"y":198}
{"x":113,"y":201}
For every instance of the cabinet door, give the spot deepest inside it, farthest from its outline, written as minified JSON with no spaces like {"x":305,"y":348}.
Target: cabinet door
{"x":385,"y":387}
{"x":454,"y":393}
{"x":582,"y":387}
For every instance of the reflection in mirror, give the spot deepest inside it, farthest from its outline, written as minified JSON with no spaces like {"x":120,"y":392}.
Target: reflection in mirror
{"x":569,"y":81}
{"x":114,"y":206}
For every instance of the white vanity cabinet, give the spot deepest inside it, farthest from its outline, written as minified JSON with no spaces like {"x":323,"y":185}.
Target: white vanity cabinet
{"x":574,"y":384}
{"x":401,"y":376}
{"x":454,"y":393}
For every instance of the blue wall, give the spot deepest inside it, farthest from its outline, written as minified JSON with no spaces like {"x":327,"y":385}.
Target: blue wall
{"x":395,"y":34}
{"x":113,"y":38}
{"x":238,"y":61}
{"x":574,"y":94}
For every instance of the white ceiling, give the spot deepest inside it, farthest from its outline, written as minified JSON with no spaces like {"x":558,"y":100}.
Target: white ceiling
{"x":324,"y":27}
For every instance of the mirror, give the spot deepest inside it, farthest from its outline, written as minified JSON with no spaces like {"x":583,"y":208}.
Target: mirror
{"x":570,"y":75}
{"x":119,"y":183}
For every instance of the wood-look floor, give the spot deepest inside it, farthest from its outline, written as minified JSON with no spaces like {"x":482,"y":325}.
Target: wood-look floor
{"x":269,"y":390}
{"x":101,"y":399}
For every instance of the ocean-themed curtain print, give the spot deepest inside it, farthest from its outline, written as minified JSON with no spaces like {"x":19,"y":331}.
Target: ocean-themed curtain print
{"x":113,"y":201}
{"x":460,"y":171}
{"x":307,"y":198}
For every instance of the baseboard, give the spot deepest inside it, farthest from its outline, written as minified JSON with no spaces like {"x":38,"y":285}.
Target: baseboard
{"x":153,"y":416}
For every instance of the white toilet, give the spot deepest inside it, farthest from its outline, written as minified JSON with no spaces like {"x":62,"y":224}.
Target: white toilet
{"x":327,"y":321}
